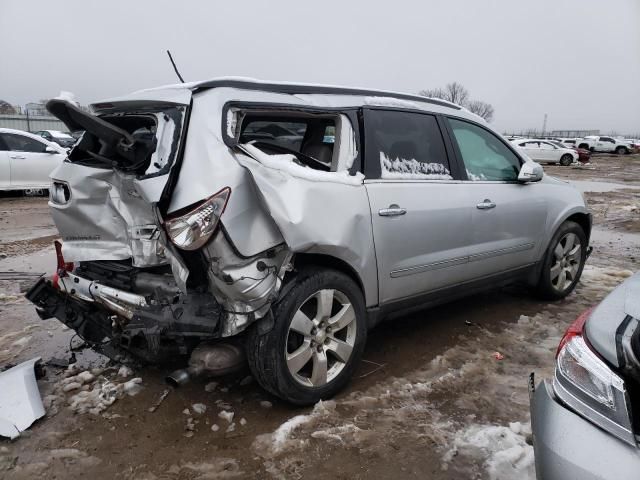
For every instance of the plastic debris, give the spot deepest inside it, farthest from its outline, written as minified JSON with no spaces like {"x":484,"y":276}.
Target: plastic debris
{"x":158,"y":402}
{"x":226,"y":415}
{"x":497,"y":356}
{"x":199,"y":408}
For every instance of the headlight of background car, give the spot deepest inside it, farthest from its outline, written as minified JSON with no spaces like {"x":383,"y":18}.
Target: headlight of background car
{"x":585,"y":383}
{"x":192,"y":229}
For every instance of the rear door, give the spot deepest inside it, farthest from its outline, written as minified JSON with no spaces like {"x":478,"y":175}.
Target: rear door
{"x":29,"y":162}
{"x":508,"y":218}
{"x":418,"y":208}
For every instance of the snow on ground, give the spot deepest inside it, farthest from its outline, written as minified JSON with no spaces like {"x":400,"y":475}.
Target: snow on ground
{"x":465,"y":401}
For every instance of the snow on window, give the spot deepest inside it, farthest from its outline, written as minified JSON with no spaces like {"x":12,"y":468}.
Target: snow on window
{"x":412,"y":169}
{"x":474,"y":177}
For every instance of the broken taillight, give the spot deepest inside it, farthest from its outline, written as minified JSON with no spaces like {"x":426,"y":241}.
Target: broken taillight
{"x":62,"y":266}
{"x":193,"y":228}
{"x":575,"y":329}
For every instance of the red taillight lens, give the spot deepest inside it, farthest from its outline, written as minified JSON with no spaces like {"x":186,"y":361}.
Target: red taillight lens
{"x":575,"y":329}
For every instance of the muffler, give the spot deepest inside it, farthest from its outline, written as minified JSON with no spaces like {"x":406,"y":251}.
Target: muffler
{"x":209,"y":360}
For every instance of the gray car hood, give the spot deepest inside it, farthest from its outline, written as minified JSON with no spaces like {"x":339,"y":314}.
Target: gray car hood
{"x":603,"y":324}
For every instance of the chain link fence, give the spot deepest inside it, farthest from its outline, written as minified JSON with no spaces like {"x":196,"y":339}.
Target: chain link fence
{"x":31,"y":123}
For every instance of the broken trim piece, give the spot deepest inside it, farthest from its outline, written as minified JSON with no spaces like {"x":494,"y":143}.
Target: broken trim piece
{"x":20,"y":402}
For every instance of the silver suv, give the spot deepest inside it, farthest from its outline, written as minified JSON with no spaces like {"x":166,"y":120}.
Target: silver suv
{"x":289,"y":219}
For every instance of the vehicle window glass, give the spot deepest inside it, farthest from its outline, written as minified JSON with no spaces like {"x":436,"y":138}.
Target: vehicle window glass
{"x":20,"y":143}
{"x":546,"y":146}
{"x":277,"y":132}
{"x":485,"y":157}
{"x":406,"y":145}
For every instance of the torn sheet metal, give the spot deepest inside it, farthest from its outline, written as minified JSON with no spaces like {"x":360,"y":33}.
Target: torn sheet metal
{"x":317,"y":212}
{"x":20,"y":402}
{"x":105,"y":218}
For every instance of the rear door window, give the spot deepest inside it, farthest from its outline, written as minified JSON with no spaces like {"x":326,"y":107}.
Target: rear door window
{"x":21,"y":143}
{"x":485,"y":156}
{"x":405,"y":145}
{"x":276,"y":132}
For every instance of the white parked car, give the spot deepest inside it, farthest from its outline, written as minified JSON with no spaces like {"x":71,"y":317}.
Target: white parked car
{"x":604,"y":144}
{"x":547,"y":151}
{"x":26,"y":160}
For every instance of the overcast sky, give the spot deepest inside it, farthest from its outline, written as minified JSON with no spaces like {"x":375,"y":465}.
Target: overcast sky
{"x":577,"y":60}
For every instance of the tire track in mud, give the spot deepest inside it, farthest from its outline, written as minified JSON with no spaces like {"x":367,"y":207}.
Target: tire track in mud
{"x":463,"y":415}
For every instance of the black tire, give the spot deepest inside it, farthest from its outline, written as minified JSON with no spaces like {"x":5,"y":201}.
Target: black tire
{"x":566,"y":160}
{"x":621,"y":151}
{"x":266,"y":353}
{"x":546,"y":288}
{"x":591,"y":149}
{"x":584,"y":145}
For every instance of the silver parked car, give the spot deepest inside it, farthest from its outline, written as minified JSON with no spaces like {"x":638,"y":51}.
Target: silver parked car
{"x":191,"y":227}
{"x":585,"y":421}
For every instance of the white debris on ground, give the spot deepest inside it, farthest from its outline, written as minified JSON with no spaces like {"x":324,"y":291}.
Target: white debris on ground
{"x":125,"y":371}
{"x":91,"y":392}
{"x":411,"y":168}
{"x":504,"y":450}
{"x":266,"y":404}
{"x":476,"y":431}
{"x":226,"y":415}
{"x":199,"y":408}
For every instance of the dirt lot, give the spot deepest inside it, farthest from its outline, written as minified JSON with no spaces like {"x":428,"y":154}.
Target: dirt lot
{"x":442,"y":393}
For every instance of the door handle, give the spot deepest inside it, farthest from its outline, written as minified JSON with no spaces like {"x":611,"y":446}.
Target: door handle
{"x":17,"y":156}
{"x":392,"y":211}
{"x":486,"y":205}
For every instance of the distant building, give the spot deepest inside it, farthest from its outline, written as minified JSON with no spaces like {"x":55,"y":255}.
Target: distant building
{"x":36,"y":109}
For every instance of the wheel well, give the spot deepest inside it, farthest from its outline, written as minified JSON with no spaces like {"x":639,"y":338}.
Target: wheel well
{"x":582,"y":219}
{"x":584,"y":145}
{"x":327,"y":261}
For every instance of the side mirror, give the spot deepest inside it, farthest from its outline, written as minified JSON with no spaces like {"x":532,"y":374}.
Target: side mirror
{"x":530,"y":172}
{"x":51,"y":150}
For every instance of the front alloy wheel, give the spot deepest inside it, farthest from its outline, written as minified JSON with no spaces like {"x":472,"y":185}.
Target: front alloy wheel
{"x":567,"y":262}
{"x":563,"y":262}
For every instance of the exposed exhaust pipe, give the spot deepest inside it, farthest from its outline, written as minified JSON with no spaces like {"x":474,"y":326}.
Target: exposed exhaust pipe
{"x":210,"y":360}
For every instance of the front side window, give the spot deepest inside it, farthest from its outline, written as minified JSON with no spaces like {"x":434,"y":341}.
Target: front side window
{"x":484,"y":155}
{"x":405,"y":145}
{"x":20,"y":143}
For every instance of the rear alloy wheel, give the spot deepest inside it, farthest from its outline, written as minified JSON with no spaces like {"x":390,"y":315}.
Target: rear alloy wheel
{"x":566,"y":160}
{"x":317,"y":339}
{"x":564,"y":261}
{"x":621,"y":151}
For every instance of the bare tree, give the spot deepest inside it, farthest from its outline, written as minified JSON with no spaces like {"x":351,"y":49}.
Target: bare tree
{"x":456,"y":93}
{"x":6,"y":108}
{"x":484,"y":109}
{"x":453,"y":92}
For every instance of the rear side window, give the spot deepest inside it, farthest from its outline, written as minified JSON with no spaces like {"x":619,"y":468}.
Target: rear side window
{"x":285,"y":133}
{"x":20,"y":143}
{"x":405,"y":145}
{"x":484,"y":155}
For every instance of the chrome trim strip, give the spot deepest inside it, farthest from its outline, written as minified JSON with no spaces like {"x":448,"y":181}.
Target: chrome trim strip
{"x":403,"y":272}
{"x":501,"y":251}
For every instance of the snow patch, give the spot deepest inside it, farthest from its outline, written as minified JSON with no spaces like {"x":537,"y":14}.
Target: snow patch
{"x":285,"y":164}
{"x":507,"y":453}
{"x":402,"y":168}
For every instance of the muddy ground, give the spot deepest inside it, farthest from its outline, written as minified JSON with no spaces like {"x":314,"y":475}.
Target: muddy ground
{"x":442,"y":393}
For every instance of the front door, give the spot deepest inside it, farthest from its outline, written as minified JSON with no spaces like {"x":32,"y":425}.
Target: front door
{"x":421,"y":222}
{"x":508,"y":218}
{"x":29,"y":162}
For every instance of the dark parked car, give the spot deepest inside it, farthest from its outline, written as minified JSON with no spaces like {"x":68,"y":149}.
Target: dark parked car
{"x":63,"y":139}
